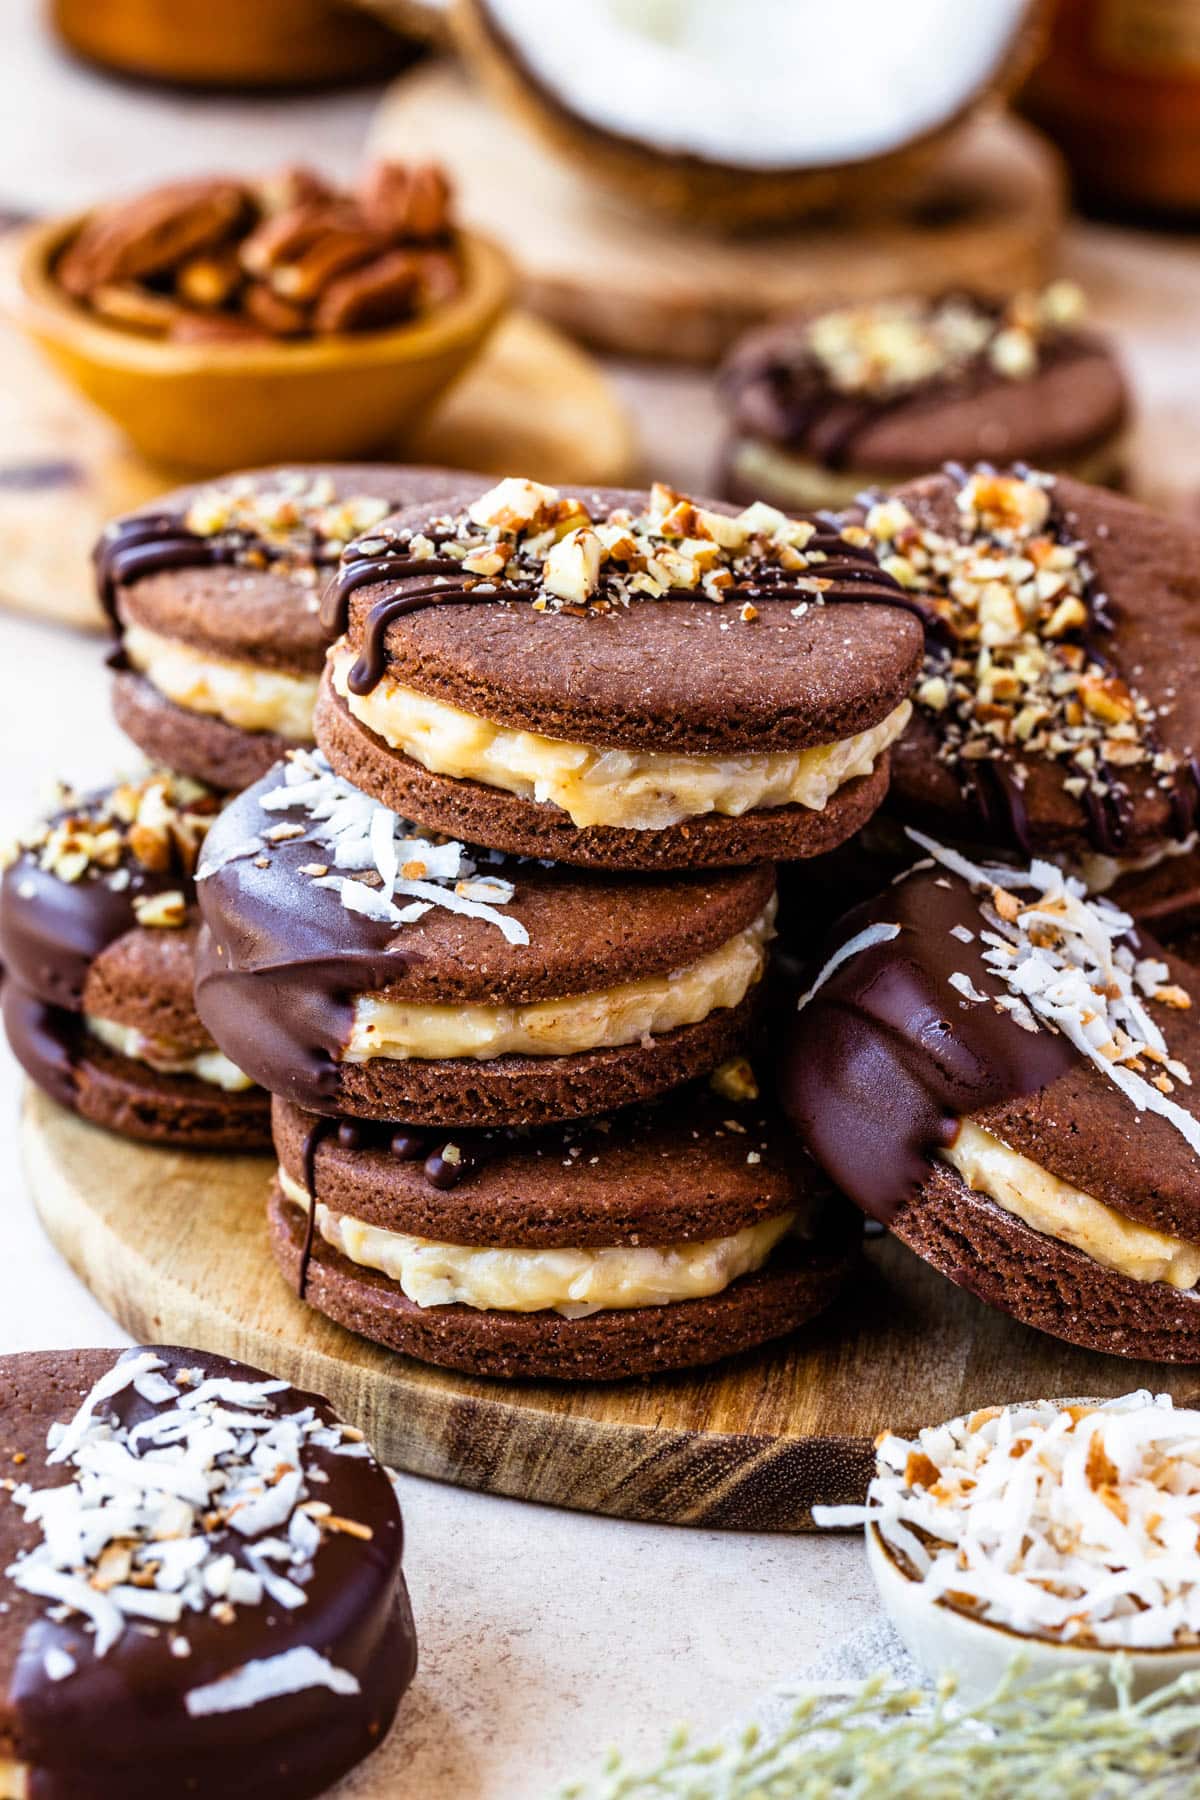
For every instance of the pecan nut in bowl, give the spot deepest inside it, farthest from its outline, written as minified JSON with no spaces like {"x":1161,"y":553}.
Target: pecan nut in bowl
{"x":224,"y":322}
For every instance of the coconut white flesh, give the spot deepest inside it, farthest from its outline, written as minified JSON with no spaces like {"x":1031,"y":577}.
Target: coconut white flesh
{"x":768,"y":84}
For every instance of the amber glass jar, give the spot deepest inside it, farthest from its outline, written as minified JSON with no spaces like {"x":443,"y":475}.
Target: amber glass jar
{"x":1119,"y":91}
{"x":229,"y":43}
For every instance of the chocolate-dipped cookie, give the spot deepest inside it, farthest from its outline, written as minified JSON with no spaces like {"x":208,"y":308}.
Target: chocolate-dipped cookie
{"x":999,"y":1068}
{"x":665,"y":1236}
{"x":618,"y":680}
{"x":858,"y":397}
{"x":202,"y":1587}
{"x":1059,"y":705}
{"x":354,"y":964}
{"x":214,"y":593}
{"x":98,"y":927}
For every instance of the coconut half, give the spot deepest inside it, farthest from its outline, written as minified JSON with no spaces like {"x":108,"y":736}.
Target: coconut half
{"x":425,"y":21}
{"x":750,"y":113}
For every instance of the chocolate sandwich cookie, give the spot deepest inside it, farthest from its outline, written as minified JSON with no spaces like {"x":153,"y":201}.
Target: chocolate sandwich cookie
{"x":835,"y":402}
{"x":666,"y":1236}
{"x":355,"y":964}
{"x":1000,"y":1069}
{"x":618,"y":680}
{"x":202,"y":1583}
{"x":98,"y":927}
{"x":214,"y":593}
{"x":1058,"y":710}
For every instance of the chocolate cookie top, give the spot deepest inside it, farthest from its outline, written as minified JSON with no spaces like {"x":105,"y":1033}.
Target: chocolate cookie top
{"x":313,"y":894}
{"x":546,"y":612}
{"x":1009,"y":997}
{"x":236,"y":566}
{"x":202,"y":1566}
{"x":1059,"y":704}
{"x":708,"y":1160}
{"x":900,"y":385}
{"x":103,"y":869}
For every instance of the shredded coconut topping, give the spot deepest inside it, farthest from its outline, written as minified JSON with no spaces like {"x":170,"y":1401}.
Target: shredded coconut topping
{"x":1010,"y":667}
{"x":141,"y":1531}
{"x":887,"y":346}
{"x":546,"y":548}
{"x":1071,"y":964}
{"x":387,"y":855}
{"x":1077,"y":1523}
{"x":297,"y":524}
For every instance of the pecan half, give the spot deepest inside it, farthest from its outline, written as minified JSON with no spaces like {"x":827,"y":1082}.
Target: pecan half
{"x":380,"y":293}
{"x":138,"y":238}
{"x":406,"y":201}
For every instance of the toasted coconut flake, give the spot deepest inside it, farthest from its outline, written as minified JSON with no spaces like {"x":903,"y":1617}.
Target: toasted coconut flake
{"x":1077,"y":1524}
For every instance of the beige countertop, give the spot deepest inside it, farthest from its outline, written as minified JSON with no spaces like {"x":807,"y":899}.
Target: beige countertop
{"x":546,"y":1636}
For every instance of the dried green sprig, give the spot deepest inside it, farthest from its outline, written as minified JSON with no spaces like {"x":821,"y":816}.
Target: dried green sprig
{"x":1059,"y":1738}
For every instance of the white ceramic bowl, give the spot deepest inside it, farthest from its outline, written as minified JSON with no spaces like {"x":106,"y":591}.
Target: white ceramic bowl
{"x":944,"y":1641}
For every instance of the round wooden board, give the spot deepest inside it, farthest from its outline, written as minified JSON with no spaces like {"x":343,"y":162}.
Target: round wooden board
{"x":533,"y":402}
{"x":175,"y":1246}
{"x":637,"y":284}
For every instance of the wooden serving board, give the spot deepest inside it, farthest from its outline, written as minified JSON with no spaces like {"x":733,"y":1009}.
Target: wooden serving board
{"x":174,"y":1245}
{"x":534,"y":402}
{"x":637,"y":284}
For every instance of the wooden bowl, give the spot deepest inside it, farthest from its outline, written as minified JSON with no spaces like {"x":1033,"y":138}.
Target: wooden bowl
{"x":208,"y":407}
{"x":228,"y":43}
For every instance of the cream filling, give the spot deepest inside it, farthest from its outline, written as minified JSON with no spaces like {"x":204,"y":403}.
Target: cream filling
{"x":1102,"y":872}
{"x":630,"y":1013}
{"x":637,"y":790}
{"x":167,"y":1058}
{"x":1050,"y":1205}
{"x":801,"y":484}
{"x":252,"y":698}
{"x":571,"y":1282}
{"x":14,"y":1779}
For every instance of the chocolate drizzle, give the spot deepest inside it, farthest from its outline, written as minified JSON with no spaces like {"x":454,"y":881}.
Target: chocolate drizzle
{"x":780,"y":390}
{"x":320,"y":1129}
{"x":848,"y":573}
{"x":148,"y":543}
{"x":886,"y":1058}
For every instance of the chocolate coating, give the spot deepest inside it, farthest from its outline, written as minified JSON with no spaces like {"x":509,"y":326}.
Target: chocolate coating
{"x":75,"y":947}
{"x":117,"y":1728}
{"x":886,"y":1057}
{"x":123,"y":1095}
{"x":281,"y":961}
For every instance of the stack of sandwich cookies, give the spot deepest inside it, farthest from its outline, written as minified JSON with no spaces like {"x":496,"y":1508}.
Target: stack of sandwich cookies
{"x":507,"y":669}
{"x":1001,"y":1069}
{"x":354,"y":964}
{"x":98,"y":931}
{"x":860,"y":397}
{"x":659,"y":1238}
{"x":214,"y":593}
{"x":203,"y":1589}
{"x":1056,"y":712}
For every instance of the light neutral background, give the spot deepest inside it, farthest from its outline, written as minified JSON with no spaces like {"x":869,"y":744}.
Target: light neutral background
{"x":545,"y":1636}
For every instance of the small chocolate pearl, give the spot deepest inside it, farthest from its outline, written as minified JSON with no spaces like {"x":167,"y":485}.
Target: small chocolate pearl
{"x":349,"y":1136}
{"x":408,"y":1146}
{"x":443,"y":1171}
